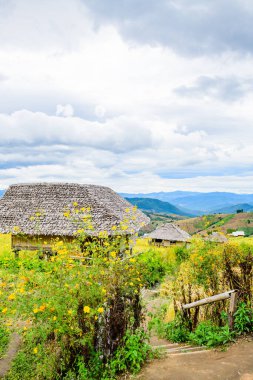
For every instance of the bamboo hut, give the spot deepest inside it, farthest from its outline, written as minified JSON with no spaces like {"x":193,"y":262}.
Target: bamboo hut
{"x":168,"y":234}
{"x":35,"y":213}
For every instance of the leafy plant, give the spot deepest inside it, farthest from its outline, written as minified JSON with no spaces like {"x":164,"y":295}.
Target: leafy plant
{"x":243,"y":319}
{"x":177,"y":330}
{"x":210,"y":335}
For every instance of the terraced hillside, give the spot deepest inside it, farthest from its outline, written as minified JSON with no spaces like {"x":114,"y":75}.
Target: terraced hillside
{"x":225,"y":223}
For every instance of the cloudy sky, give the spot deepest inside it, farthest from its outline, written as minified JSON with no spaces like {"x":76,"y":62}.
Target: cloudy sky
{"x":138,"y":95}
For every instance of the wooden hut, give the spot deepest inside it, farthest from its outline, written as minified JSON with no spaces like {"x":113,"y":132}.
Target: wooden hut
{"x":169,"y":234}
{"x":35,"y":213}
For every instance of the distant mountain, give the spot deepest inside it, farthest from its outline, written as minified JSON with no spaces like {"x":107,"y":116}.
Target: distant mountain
{"x":196,"y":202}
{"x":1,"y":193}
{"x":233,"y":209}
{"x":156,"y":206}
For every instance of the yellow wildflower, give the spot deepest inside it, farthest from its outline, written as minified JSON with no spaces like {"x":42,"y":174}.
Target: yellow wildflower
{"x":86,"y":309}
{"x":4,"y":310}
{"x":11,"y":297}
{"x":35,"y":350}
{"x":100,"y":310}
{"x":35,"y":310}
{"x":54,"y":318}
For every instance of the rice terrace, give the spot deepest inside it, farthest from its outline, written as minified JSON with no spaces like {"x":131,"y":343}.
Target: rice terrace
{"x":83,"y":297}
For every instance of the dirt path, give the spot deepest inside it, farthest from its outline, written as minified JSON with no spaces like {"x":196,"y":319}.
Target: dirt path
{"x":234,"y":364}
{"x":5,"y":362}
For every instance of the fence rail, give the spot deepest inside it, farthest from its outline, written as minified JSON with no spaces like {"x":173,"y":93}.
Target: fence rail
{"x":230,"y":294}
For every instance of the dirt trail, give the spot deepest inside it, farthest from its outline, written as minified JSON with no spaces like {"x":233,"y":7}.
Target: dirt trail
{"x":5,"y":362}
{"x":234,"y":364}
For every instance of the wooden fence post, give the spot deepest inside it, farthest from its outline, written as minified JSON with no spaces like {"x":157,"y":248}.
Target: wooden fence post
{"x":232,"y":309}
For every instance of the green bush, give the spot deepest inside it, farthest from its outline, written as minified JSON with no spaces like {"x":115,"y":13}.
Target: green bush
{"x":182,"y":254}
{"x":243,"y":322}
{"x":210,"y":335}
{"x":129,"y":357}
{"x":154,"y":267}
{"x":177,"y":330}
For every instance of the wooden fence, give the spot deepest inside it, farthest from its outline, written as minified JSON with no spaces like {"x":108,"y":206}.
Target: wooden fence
{"x":231,"y":294}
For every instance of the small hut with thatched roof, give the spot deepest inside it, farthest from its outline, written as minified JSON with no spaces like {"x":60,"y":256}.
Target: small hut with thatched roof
{"x":42,"y":212}
{"x":216,"y":237}
{"x":169,"y":234}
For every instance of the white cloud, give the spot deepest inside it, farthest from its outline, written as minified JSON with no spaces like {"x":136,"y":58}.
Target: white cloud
{"x":67,"y":110}
{"x":80,"y":103}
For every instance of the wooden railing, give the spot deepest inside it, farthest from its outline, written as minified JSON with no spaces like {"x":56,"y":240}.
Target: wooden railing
{"x":231,"y":294}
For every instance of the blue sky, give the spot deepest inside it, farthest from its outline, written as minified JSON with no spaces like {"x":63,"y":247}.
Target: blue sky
{"x":138,"y":95}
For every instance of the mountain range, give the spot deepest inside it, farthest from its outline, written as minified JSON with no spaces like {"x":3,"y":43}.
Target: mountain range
{"x":201,"y":203}
{"x":157,"y":206}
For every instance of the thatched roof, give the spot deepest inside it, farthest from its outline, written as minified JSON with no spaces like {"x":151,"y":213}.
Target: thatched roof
{"x":170,"y":232}
{"x":216,"y":237}
{"x":21,"y":202}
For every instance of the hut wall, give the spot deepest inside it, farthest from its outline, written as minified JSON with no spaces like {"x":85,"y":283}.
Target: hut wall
{"x":32,"y":243}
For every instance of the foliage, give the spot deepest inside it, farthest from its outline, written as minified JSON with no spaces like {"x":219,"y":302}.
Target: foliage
{"x":210,"y":335}
{"x":177,"y":330}
{"x":74,"y":308}
{"x":155,"y":265}
{"x":243,"y":322}
{"x":182,"y":254}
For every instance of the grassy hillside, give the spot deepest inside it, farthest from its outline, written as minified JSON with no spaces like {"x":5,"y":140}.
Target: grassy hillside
{"x":225,"y":223}
{"x":156,"y":206}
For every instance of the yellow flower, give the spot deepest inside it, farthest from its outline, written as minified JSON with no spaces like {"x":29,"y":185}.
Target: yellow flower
{"x":32,"y":218}
{"x":4,"y":310}
{"x":86,"y":309}
{"x":75,"y":204}
{"x":66,"y":214}
{"x":70,"y":312}
{"x":11,"y":297}
{"x":132,"y":260}
{"x":35,"y":310}
{"x":54,"y":318}
{"x":114,"y":228}
{"x":35,"y":350}
{"x":42,"y":307}
{"x":127,"y":209}
{"x":113,"y":254}
{"x":100,"y":310}
{"x":96,"y":317}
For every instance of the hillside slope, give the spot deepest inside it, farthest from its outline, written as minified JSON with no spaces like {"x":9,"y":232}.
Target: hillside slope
{"x":156,"y":206}
{"x":225,"y":223}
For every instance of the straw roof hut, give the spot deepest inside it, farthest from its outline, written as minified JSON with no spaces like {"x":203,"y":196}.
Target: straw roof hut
{"x":216,"y":237}
{"x":169,"y":234}
{"x":38,"y":210}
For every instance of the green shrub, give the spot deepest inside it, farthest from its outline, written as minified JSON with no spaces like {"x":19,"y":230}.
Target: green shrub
{"x":129,"y":357}
{"x":243,"y":322}
{"x":182,"y":254}
{"x":177,"y":330}
{"x":210,"y":335}
{"x":154,"y":267}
